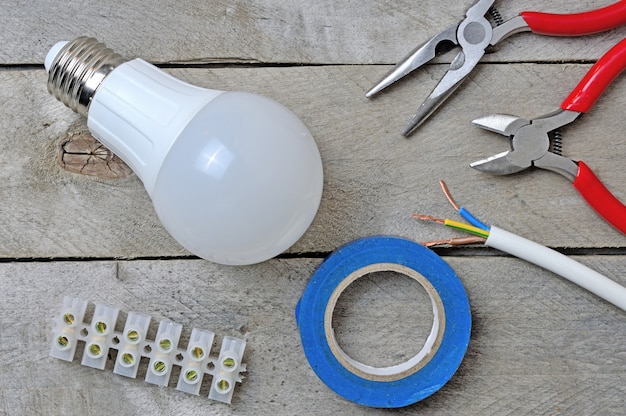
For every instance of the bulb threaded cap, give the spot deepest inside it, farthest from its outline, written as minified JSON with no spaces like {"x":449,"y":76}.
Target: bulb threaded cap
{"x":77,"y":70}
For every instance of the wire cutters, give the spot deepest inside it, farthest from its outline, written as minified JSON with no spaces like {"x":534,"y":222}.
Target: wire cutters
{"x":537,"y":142}
{"x":475,"y":33}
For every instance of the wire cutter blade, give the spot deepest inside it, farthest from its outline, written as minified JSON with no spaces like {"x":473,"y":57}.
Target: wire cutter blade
{"x":537,"y":142}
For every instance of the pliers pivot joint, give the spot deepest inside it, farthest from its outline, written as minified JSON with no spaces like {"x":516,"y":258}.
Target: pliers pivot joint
{"x":531,"y":144}
{"x":474,"y":34}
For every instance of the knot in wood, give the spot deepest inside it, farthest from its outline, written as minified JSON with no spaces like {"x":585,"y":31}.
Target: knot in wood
{"x":82,"y":153}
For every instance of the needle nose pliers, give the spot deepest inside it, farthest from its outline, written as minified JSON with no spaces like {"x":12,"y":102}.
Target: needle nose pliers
{"x":475,"y":33}
{"x":531,"y":140}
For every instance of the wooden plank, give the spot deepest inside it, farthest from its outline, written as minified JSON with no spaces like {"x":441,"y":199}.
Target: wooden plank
{"x":274,"y":31}
{"x":539,"y":345}
{"x":374,"y":179}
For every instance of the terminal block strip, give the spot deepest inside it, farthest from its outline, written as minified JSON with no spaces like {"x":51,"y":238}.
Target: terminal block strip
{"x":100,"y":336}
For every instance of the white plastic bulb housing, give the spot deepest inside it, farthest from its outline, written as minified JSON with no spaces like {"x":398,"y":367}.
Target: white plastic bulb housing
{"x":236,"y":178}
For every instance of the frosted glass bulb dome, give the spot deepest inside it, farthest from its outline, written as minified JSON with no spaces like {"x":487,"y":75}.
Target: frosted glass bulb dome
{"x":236,"y":178}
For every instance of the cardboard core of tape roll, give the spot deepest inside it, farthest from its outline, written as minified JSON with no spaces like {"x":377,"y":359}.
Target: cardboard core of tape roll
{"x":397,"y":371}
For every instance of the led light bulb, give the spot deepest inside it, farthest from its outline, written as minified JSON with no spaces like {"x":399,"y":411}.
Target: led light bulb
{"x":235,"y":177}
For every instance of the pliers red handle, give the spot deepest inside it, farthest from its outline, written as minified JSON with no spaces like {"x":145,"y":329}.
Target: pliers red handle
{"x":593,"y":84}
{"x":531,"y":139}
{"x":578,"y":23}
{"x":475,"y":33}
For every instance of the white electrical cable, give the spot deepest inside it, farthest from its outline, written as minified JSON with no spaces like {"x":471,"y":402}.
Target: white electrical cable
{"x":558,"y":263}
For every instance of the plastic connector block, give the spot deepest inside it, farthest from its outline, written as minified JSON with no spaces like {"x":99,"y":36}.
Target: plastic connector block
{"x":99,"y":336}
{"x":227,"y":369}
{"x":161,"y":362}
{"x":196,"y":360}
{"x":163,"y":352}
{"x":67,"y":328}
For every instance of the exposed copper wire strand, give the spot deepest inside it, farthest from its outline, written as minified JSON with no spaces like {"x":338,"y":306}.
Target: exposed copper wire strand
{"x":448,"y":195}
{"x":468,"y":216}
{"x":455,"y":241}
{"x":478,"y":229}
{"x":423,"y":217}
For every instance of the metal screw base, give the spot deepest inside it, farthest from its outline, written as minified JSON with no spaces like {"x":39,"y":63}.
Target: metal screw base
{"x":77,"y":71}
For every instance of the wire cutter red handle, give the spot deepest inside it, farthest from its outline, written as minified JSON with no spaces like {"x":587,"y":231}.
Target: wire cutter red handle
{"x":600,"y":198}
{"x":601,"y":74}
{"x":581,"y":99}
{"x":578,"y":23}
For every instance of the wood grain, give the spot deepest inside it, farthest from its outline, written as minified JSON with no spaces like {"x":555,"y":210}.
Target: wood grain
{"x":539,"y":345}
{"x":84,"y":154}
{"x":273,"y":31}
{"x":374,"y":179}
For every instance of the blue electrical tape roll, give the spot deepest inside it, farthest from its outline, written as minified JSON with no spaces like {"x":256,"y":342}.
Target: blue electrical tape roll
{"x":399,"y":385}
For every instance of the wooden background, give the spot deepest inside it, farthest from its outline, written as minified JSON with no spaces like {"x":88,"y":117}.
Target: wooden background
{"x":539,"y":345}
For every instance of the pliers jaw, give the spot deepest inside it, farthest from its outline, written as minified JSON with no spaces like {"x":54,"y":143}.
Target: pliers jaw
{"x":530,"y":144}
{"x":530,"y":139}
{"x":419,"y":56}
{"x":473,"y":35}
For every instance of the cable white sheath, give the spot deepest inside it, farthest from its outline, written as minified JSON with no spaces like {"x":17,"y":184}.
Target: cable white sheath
{"x":558,"y":263}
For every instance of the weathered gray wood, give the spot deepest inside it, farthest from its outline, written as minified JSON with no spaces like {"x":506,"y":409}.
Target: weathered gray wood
{"x":374,"y":179}
{"x":539,"y":345}
{"x":348,"y":32}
